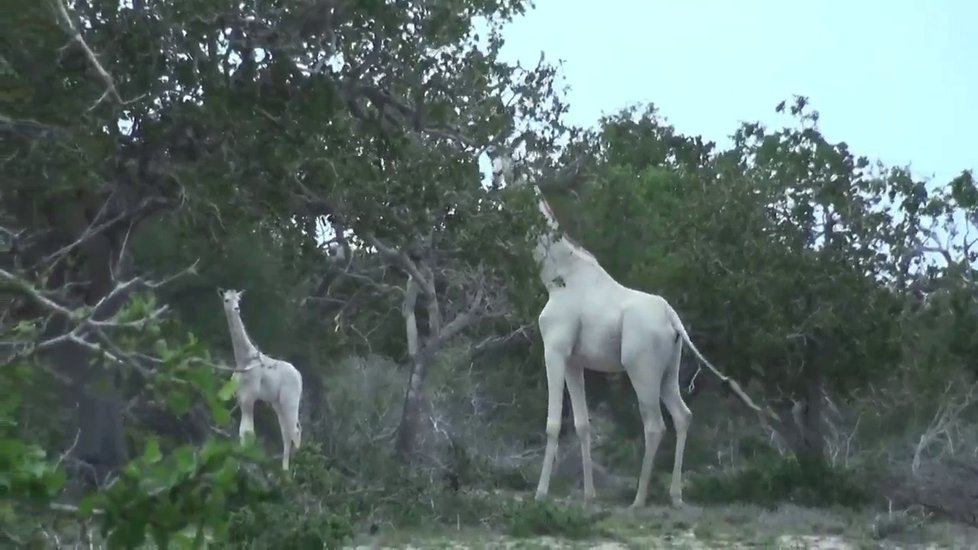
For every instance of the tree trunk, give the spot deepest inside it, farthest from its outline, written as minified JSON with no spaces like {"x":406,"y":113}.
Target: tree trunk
{"x":415,"y":401}
{"x":812,"y":436}
{"x":101,"y":439}
{"x":412,"y":413}
{"x":802,"y":422}
{"x":94,"y":392}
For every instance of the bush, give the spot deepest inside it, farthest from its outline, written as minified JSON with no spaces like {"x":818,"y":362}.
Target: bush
{"x":530,"y":518}
{"x":314,"y":508}
{"x":478,"y":438}
{"x":769,"y":481}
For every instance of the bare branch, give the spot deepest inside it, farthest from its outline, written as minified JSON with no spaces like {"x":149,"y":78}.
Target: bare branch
{"x":24,"y":288}
{"x":427,"y":286}
{"x":945,"y":419}
{"x":71,"y":449}
{"x":457,"y":325}
{"x":110,"y":89}
{"x":95,"y":228}
{"x":133,"y":284}
{"x":410,"y":320}
{"x":29,"y":128}
{"x":494,"y":342}
{"x":88,"y":331}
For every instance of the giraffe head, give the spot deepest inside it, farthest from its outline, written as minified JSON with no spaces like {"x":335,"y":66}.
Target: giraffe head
{"x":231,"y":299}
{"x":502,"y":167}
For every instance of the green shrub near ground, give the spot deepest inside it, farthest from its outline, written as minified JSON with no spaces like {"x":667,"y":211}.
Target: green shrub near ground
{"x":314,"y":507}
{"x":530,"y":518}
{"x":769,"y":481}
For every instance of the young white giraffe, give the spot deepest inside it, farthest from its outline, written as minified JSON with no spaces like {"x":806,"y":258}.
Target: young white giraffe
{"x":262,"y":378}
{"x":591,"y":321}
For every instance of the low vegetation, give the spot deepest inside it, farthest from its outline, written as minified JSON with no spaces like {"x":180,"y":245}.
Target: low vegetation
{"x":325,"y":159}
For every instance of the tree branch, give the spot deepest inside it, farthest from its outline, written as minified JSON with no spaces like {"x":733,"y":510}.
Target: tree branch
{"x":30,"y":129}
{"x":95,"y":228}
{"x":461,"y":322}
{"x":427,"y":286}
{"x":110,"y":89}
{"x":495,"y":342}
{"x":88,"y":331}
{"x":410,"y":319}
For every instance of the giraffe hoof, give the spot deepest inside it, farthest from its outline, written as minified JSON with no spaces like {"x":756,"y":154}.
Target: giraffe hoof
{"x":636,"y":505}
{"x":540,"y":496}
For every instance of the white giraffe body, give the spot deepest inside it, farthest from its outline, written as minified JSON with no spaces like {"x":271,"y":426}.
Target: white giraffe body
{"x":263,"y":378}
{"x":591,"y":321}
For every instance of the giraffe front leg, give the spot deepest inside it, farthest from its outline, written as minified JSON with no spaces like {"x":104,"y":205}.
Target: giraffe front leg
{"x":247,"y":424}
{"x":556,"y":365}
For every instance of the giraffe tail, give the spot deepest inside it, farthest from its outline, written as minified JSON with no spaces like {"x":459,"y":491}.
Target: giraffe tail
{"x":727,"y":381}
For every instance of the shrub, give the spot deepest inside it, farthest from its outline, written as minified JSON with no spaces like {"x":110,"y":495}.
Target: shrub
{"x":530,"y":518}
{"x":769,"y":481}
{"x":313,"y":508}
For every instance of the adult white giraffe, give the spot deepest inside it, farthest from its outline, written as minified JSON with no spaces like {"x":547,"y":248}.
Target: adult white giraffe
{"x":591,"y":321}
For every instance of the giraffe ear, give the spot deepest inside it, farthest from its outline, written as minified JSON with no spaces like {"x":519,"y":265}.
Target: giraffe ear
{"x":240,"y":293}
{"x":220,"y":292}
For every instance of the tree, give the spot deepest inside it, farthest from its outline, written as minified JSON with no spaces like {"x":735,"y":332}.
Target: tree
{"x":284,"y":121}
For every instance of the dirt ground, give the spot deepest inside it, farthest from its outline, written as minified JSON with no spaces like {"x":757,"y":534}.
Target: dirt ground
{"x":787,"y":527}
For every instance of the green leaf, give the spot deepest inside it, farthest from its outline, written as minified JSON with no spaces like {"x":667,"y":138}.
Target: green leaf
{"x":228,"y":389}
{"x":225,"y":476}
{"x":184,"y":460}
{"x":221,"y":414}
{"x":23,"y":327}
{"x":87,"y":505}
{"x":179,"y":401}
{"x":55,"y":481}
{"x":152,"y":454}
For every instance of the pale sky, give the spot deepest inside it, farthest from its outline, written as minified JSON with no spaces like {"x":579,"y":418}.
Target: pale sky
{"x":896,"y":79}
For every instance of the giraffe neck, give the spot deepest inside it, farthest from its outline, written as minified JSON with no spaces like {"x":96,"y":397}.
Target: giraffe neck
{"x":244,"y":350}
{"x":559,"y":256}
{"x":544,"y":207}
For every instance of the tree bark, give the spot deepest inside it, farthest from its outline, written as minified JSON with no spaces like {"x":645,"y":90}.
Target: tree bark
{"x":415,"y":401}
{"x":411,"y":413}
{"x":813,"y":436}
{"x":801,"y":422}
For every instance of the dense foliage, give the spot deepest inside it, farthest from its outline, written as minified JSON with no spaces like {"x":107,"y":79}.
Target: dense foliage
{"x":323,"y":155}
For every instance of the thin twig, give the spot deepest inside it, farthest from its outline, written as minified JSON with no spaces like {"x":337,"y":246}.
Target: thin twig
{"x":76,"y":36}
{"x":70,"y":450}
